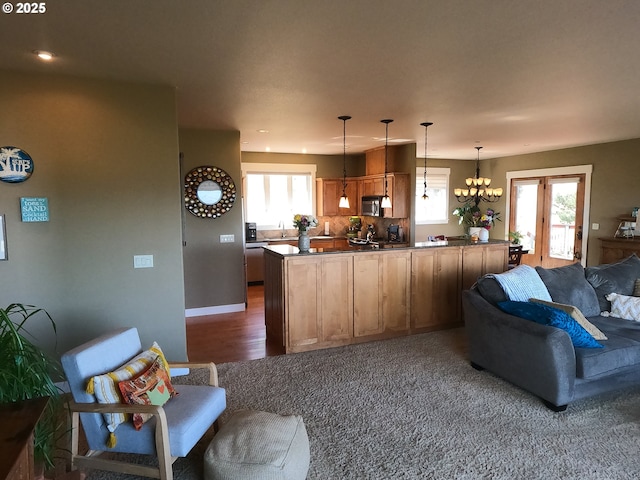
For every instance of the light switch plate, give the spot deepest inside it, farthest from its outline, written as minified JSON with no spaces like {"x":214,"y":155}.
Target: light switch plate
{"x":143,"y":261}
{"x":227,"y":238}
{"x":595,"y":226}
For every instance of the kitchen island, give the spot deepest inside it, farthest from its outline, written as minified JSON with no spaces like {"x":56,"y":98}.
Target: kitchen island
{"x":329,"y":297}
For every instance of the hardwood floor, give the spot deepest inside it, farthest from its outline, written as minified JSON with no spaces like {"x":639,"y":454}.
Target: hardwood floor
{"x":231,"y":337}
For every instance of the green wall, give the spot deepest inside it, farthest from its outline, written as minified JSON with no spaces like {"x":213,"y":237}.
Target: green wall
{"x":106,"y":157}
{"x":616,"y":170}
{"x":213,"y":271}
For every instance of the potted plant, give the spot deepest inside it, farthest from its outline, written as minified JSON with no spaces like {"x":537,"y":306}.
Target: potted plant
{"x":515,"y":237}
{"x":27,"y":372}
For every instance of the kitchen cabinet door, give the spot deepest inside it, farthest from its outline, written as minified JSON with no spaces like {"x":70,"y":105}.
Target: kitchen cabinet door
{"x":303,"y":310}
{"x":328,"y":193}
{"x":367,"y":317}
{"x":336,"y":298}
{"x":395,"y":285}
{"x":480,"y":260}
{"x":436,"y":276}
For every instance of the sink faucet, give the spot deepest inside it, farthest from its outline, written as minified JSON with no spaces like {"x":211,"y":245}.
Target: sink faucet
{"x":281,"y":225}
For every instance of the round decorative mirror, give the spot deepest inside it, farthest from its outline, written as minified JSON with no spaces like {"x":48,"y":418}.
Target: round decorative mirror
{"x":209,"y":192}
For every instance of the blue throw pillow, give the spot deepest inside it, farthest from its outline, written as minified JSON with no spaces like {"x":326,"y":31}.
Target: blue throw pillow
{"x":554,"y":317}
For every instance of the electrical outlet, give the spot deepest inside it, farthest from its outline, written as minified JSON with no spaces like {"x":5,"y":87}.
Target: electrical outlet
{"x":227,"y":238}
{"x":143,"y":261}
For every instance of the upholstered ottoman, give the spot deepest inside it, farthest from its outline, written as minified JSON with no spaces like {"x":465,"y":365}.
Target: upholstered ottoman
{"x":255,"y":445}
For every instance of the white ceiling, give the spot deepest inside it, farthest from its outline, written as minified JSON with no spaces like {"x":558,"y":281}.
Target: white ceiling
{"x":514,"y":76}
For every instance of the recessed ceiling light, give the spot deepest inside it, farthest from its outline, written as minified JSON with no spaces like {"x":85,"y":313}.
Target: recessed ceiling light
{"x":268,"y":149}
{"x":304,"y":150}
{"x":44,"y":55}
{"x":262,"y":130}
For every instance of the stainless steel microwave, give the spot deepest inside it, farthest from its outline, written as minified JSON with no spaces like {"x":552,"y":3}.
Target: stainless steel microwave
{"x":371,"y":206}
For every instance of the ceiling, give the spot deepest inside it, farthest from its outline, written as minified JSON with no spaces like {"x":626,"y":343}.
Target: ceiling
{"x":512,"y":76}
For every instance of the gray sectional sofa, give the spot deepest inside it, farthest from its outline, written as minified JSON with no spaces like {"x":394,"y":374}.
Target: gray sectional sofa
{"x":541,"y":358}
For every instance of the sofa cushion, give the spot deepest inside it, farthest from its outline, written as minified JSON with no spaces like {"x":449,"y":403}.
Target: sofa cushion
{"x":554,"y":317}
{"x":621,"y":350}
{"x":623,"y":306}
{"x":568,"y":285}
{"x":491,"y":290}
{"x":577,"y":315}
{"x":617,"y":277}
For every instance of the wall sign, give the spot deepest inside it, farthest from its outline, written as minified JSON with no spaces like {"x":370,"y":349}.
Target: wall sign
{"x":16,"y":165}
{"x":34,"y":209}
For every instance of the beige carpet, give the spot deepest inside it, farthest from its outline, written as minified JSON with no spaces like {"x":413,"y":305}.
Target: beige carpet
{"x":412,"y":408}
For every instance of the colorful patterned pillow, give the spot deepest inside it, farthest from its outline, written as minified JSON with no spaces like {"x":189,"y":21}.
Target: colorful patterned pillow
{"x":105,"y":386}
{"x":623,"y":306}
{"x":151,"y":387}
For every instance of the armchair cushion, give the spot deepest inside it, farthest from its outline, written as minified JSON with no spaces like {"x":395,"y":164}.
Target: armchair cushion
{"x":105,"y":386}
{"x":151,"y":387}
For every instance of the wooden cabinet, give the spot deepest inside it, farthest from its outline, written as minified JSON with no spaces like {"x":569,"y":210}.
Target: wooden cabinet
{"x":375,"y":160}
{"x":319,"y":301}
{"x":479,"y":261}
{"x":613,"y":250}
{"x":381,"y":293}
{"x":324,"y":300}
{"x":436,"y":276}
{"x":328,"y":193}
{"x":322,"y":243}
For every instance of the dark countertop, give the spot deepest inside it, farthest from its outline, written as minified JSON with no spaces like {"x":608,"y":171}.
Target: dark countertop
{"x":288,"y":250}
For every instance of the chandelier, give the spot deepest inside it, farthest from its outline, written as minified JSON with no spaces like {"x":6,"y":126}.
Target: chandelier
{"x":477,"y":189}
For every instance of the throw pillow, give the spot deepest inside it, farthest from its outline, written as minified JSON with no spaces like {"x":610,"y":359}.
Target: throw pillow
{"x":568,"y":285}
{"x":577,"y":315}
{"x":623,"y":306}
{"x":545,"y":315}
{"x":105,"y":386}
{"x":151,"y":387}
{"x":617,"y":277}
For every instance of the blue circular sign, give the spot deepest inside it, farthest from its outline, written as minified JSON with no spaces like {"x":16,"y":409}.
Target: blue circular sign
{"x":16,"y":165}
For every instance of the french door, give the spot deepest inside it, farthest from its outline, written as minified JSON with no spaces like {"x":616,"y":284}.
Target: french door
{"x":548,"y":213}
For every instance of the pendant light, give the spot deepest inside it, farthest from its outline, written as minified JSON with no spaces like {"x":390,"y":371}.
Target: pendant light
{"x":426,"y":125}
{"x":386,"y":201}
{"x":344,"y":200}
{"x":477,"y":189}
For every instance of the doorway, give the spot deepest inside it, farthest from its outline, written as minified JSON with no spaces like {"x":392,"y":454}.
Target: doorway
{"x":549,"y":211}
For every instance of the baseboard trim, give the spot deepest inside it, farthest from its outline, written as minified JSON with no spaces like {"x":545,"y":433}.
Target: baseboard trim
{"x":199,"y":312}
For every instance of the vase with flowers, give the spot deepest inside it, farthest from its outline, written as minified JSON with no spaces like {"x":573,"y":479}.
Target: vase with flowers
{"x":478,"y":223}
{"x":303,"y":223}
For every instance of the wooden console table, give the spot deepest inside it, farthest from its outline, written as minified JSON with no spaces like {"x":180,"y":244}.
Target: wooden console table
{"x":615,"y":249}
{"x":16,"y":437}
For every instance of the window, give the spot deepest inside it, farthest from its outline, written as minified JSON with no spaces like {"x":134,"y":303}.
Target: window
{"x":273,"y":193}
{"x":436,"y":208}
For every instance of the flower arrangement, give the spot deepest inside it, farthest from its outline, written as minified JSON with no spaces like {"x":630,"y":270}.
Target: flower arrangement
{"x":472,"y":216}
{"x":304,"y":222}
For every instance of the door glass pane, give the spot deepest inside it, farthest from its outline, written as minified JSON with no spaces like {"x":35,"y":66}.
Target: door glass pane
{"x":563,"y":219}
{"x":526,"y":213}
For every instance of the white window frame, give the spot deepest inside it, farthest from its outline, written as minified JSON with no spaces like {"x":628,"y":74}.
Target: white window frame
{"x":280,"y":168}
{"x":432,"y":171}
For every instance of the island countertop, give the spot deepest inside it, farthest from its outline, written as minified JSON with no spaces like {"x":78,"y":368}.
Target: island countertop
{"x":289,"y":250}
{"x":329,"y":297}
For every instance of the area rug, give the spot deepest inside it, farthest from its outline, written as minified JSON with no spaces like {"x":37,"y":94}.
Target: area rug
{"x":413,"y":408}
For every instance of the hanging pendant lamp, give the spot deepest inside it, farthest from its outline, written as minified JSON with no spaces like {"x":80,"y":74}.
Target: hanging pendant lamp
{"x":386,"y":201}
{"x":426,"y":125}
{"x":344,"y":200}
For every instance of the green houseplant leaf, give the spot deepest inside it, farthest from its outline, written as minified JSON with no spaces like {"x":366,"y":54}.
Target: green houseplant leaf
{"x":26,"y":372}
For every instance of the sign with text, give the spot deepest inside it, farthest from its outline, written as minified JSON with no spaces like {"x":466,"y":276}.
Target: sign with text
{"x":34,"y":209}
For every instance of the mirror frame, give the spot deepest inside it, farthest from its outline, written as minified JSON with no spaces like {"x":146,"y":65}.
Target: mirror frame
{"x":192,"y":181}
